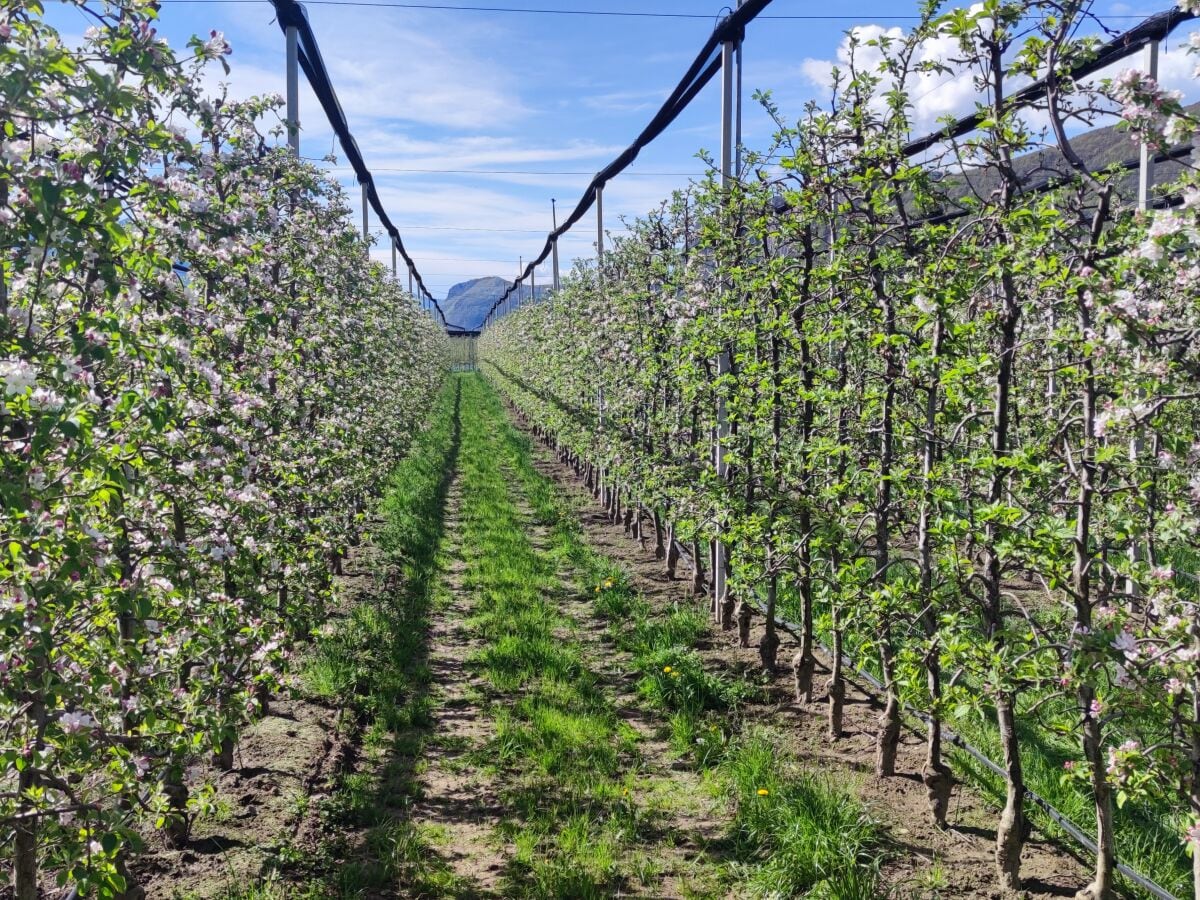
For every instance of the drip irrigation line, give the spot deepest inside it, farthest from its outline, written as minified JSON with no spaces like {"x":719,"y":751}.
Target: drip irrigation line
{"x":978,"y":755}
{"x":706,"y":64}
{"x":289,"y":13}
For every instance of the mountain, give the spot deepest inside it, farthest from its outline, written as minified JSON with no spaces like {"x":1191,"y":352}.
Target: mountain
{"x":467,"y":303}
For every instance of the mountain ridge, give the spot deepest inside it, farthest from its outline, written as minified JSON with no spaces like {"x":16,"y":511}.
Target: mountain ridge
{"x":467,"y":303}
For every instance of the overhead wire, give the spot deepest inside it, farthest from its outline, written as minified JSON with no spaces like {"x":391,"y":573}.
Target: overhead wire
{"x":289,"y":13}
{"x":1154,"y":28}
{"x":706,"y":65}
{"x":607,"y":13}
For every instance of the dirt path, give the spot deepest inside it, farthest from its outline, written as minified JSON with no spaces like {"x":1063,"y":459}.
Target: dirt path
{"x":925,"y":862}
{"x":458,"y":802}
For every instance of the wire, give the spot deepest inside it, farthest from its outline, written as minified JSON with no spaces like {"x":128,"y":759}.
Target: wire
{"x":515,"y":172}
{"x":608,"y":13}
{"x":549,"y":11}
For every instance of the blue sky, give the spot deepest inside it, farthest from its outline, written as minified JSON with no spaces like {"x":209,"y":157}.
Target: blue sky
{"x":537,"y":93}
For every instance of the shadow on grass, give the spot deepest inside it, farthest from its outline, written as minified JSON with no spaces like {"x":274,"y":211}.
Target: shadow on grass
{"x":377,"y":663}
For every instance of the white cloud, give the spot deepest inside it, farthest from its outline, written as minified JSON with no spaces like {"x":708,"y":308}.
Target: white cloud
{"x":626,"y":101}
{"x":394,"y":68}
{"x":935,"y":93}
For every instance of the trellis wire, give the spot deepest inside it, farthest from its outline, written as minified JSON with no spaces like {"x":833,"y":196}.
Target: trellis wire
{"x":982,"y":758}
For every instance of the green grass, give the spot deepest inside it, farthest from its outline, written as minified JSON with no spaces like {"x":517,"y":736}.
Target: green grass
{"x":807,"y":835}
{"x":797,"y":832}
{"x":372,"y":663}
{"x":558,"y":749}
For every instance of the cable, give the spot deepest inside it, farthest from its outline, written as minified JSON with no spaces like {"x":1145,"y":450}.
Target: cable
{"x":517,"y":172}
{"x":1154,"y":28}
{"x":706,"y":64}
{"x":608,"y":13}
{"x":548,"y":11}
{"x":291,"y":14}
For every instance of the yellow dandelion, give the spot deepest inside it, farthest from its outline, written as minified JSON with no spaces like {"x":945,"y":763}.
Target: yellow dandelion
{"x":762,"y":792}
{"x":608,"y":583}
{"x":674,"y":674}
{"x":667,"y":669}
{"x":597,"y":589}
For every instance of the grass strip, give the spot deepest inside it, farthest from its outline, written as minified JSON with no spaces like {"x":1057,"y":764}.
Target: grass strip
{"x":792,"y":832}
{"x":372,"y":662}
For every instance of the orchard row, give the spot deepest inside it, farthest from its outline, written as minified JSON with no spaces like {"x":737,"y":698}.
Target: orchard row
{"x":203,"y":384}
{"x":958,"y":413}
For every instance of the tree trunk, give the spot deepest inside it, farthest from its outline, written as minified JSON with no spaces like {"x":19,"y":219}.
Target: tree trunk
{"x":25,"y":860}
{"x":836,"y":689}
{"x":660,"y":551}
{"x":715,"y":601}
{"x":1101,"y":887}
{"x":223,"y":756}
{"x":672,"y":552}
{"x":935,"y":774}
{"x":1010,"y":832}
{"x":744,"y":615}
{"x":887,"y":740}
{"x":175,"y":826}
{"x":698,"y":581}
{"x":728,"y":602}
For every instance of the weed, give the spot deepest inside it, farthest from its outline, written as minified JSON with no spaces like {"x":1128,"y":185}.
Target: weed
{"x":797,"y":831}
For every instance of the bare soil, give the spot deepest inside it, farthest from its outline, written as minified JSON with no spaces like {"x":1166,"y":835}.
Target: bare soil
{"x":265,"y":807}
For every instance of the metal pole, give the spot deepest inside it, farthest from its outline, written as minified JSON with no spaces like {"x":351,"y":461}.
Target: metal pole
{"x":366,"y":210}
{"x":600,"y":410}
{"x":1146,"y":168}
{"x":599,"y":227}
{"x":292,"y":36}
{"x":1137,"y":443}
{"x":737,"y":128}
{"x":533,"y":285}
{"x":394,"y":270}
{"x":727,"y":104}
{"x":721,"y":435}
{"x":554,"y":245}
{"x":410,"y":278}
{"x":520,"y":285}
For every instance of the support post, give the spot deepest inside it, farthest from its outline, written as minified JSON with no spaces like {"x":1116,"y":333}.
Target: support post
{"x":1137,"y":443}
{"x":737,"y":111}
{"x":410,"y":278}
{"x":599,"y":229}
{"x":600,"y":420}
{"x":366,"y":211}
{"x":728,"y":65}
{"x":394,"y":270}
{"x":1146,"y":167}
{"x":720,"y":587}
{"x":554,"y":243}
{"x":292,"y":37}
